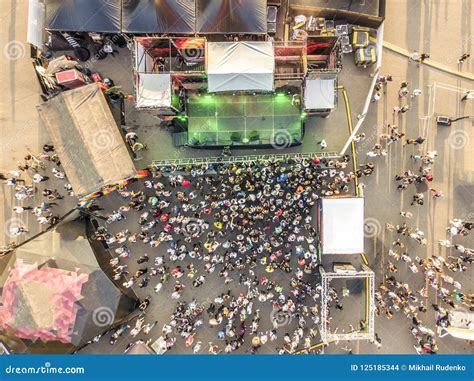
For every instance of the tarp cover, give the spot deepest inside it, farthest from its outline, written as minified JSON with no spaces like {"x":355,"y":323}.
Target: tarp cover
{"x":234,"y":66}
{"x":153,"y":90}
{"x":342,"y":225}
{"x":231,"y":16}
{"x":319,"y":94}
{"x":54,"y":290}
{"x":84,"y":15}
{"x":86,"y":138}
{"x":164,"y":16}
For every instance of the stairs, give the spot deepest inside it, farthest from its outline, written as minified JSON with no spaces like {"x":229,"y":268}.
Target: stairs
{"x":180,"y":139}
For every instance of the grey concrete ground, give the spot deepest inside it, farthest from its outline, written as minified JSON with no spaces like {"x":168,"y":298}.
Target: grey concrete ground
{"x":443,"y":28}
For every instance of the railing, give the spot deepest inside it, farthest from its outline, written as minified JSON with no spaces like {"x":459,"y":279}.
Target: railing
{"x":242,"y":159}
{"x":358,"y":334}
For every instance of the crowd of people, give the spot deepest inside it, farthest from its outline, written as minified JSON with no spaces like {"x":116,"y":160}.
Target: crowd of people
{"x":248,"y":224}
{"x":30,"y":184}
{"x":394,"y":293}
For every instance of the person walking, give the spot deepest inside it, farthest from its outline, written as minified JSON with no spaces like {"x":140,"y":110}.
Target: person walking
{"x":463,"y":58}
{"x":21,"y":209}
{"x":436,"y":193}
{"x":419,"y":58}
{"x":418,"y":199}
{"x":424,"y":56}
{"x":415,"y":56}
{"x":419,"y":140}
{"x":37,"y":178}
{"x":467,"y":95}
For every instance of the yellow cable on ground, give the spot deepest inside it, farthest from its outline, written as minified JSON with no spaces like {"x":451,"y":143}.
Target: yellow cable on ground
{"x":364,"y":259}
{"x":367,"y":301}
{"x":354,"y":153}
{"x":356,"y":182}
{"x":311,"y":348}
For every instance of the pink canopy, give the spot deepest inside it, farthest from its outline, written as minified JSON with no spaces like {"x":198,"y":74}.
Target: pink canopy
{"x":40,"y":303}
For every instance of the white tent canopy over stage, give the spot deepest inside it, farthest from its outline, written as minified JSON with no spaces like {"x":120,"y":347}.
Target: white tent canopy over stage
{"x":240,"y":66}
{"x":153,"y":90}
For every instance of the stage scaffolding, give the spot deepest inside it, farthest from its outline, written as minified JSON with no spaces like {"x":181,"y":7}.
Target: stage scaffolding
{"x":368,"y":333}
{"x":243,"y":159}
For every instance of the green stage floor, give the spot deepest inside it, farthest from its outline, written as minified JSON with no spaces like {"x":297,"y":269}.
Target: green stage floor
{"x":220,"y":120}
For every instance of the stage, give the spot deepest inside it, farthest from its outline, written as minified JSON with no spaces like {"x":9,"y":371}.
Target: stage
{"x":243,"y":120}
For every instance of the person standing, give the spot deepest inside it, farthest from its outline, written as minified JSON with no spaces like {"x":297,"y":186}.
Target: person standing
{"x":48,"y":148}
{"x":403,"y":91}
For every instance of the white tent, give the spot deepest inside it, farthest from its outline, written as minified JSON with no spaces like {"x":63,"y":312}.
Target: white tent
{"x":243,"y":65}
{"x":143,"y":60}
{"x":342,"y":225}
{"x":319,"y":94}
{"x":153,"y":90}
{"x":36,"y":17}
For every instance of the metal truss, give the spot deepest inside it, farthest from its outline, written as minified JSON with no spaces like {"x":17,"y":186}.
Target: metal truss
{"x":242,"y":159}
{"x":365,"y":334}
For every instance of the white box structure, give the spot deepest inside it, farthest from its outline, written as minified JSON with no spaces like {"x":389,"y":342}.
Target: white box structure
{"x":341,"y":225}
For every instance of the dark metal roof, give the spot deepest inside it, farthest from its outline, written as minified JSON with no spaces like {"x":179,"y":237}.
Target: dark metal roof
{"x":84,"y":15}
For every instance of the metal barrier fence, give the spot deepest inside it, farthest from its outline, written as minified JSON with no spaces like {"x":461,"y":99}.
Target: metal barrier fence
{"x":243,"y":159}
